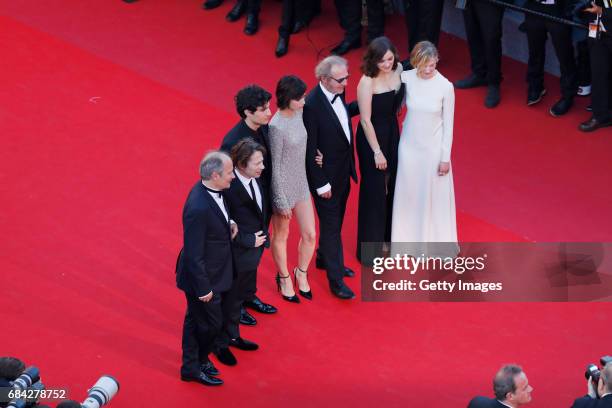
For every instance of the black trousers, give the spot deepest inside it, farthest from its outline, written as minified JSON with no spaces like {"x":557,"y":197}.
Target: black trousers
{"x":537,"y":29}
{"x":231,"y":304}
{"x":483,"y":26}
{"x":201,"y":326}
{"x":583,"y":63}
{"x":423,"y":21}
{"x":601,"y":56}
{"x":376,"y":18}
{"x":331,"y":216}
{"x":349,"y":14}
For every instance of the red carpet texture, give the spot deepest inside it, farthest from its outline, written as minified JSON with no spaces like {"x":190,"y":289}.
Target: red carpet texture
{"x":105,"y":111}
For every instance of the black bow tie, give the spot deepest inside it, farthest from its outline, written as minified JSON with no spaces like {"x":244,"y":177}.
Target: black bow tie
{"x":336,"y":96}
{"x":213,"y":191}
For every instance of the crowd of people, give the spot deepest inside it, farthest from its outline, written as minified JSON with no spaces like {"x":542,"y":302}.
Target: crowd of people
{"x":584,"y":55}
{"x":270,"y":168}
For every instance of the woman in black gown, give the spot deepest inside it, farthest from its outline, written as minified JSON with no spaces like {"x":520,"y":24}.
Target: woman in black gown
{"x":380,"y":94}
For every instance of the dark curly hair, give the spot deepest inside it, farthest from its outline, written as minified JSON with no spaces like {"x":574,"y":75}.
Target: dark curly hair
{"x":244,"y":149}
{"x":289,"y":88}
{"x":250,"y":98}
{"x":375,"y":52}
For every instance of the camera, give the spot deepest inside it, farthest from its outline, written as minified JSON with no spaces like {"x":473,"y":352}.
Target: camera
{"x":30,"y":375}
{"x":594,"y":371}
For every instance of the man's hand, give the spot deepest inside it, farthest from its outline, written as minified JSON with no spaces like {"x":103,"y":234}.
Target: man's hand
{"x":443,"y":168}
{"x":326,"y":194}
{"x":234,"y":229}
{"x":260,"y":239}
{"x":591,"y":388}
{"x":594,"y":9}
{"x":206,"y":298}
{"x":319,"y":158}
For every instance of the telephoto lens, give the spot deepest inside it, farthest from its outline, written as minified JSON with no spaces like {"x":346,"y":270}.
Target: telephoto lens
{"x":101,"y":393}
{"x":29,"y":376}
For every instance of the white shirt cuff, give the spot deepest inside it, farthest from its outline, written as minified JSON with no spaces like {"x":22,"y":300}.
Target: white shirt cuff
{"x":324,"y":189}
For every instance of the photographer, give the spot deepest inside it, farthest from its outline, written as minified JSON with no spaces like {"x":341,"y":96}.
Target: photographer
{"x":511,"y":389}
{"x":603,"y":391}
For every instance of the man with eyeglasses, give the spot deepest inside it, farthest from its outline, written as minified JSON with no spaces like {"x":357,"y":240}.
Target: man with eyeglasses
{"x":327,"y":121}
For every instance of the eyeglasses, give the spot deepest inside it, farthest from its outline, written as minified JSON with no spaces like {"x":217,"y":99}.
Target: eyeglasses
{"x":340,"y":80}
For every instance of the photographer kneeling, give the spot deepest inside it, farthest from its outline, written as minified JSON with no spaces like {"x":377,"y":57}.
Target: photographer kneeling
{"x":598,"y":395}
{"x":511,"y":389}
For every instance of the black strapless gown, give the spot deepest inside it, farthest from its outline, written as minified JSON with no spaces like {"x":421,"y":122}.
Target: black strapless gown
{"x":376,"y":187}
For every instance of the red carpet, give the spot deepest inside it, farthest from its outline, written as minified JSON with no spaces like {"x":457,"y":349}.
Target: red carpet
{"x":106,"y":109}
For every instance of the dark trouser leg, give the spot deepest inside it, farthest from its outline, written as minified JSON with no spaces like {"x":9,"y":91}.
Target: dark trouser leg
{"x":349,"y":13}
{"x":584,"y":63}
{"x":253,"y":7}
{"x":376,"y":18}
{"x":431,"y":20}
{"x":232,"y":302}
{"x":412,"y":9}
{"x":536,"y":40}
{"x":331,"y":214}
{"x":490,"y":18}
{"x":561,"y":35}
{"x":201,"y":326}
{"x":600,"y":69}
{"x":474,"y":39}
{"x":287,"y":19}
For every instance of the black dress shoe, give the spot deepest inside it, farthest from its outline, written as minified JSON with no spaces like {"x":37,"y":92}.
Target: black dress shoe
{"x":259,"y":306}
{"x":203,"y":379}
{"x":246,"y":318}
{"x":492,"y":99}
{"x":593,"y":124}
{"x":211,"y":4}
{"x":252,"y":24}
{"x":209,"y":368}
{"x":535,"y":95}
{"x":282,"y":46}
{"x":345,"y":46}
{"x":243,"y":344}
{"x":471,"y":81}
{"x":225,"y":356}
{"x":561,"y":107}
{"x":298,"y":26}
{"x":340,"y":289}
{"x":236,"y":12}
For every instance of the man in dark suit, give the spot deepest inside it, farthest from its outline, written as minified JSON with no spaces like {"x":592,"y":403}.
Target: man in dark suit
{"x":253,"y":106}
{"x":252,"y":8}
{"x":328,"y":124}
{"x":511,"y":389}
{"x":204,"y":268}
{"x":247,"y":204}
{"x":604,"y":391}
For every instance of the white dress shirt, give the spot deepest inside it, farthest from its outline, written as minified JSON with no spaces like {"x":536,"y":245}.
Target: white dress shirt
{"x":245,"y":182}
{"x":219,"y":202}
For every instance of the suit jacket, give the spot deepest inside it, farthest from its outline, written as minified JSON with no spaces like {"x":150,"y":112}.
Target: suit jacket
{"x":205,"y":262}
{"x":250,"y":219}
{"x":484,"y":402}
{"x":241,"y":131}
{"x":326,"y":134}
{"x":588,"y":402}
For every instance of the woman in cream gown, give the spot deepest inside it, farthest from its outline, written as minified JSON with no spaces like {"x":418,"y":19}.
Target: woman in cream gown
{"x":424,"y":201}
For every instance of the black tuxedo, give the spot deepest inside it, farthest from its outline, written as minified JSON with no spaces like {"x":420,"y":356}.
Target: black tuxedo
{"x":326,"y":134}
{"x":241,"y":131}
{"x":484,"y":402}
{"x":250,"y":219}
{"x":588,"y":402}
{"x":204,"y":265}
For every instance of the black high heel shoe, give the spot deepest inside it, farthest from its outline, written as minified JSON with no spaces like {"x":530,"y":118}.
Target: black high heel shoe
{"x":307,"y":295}
{"x":292,"y":299}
